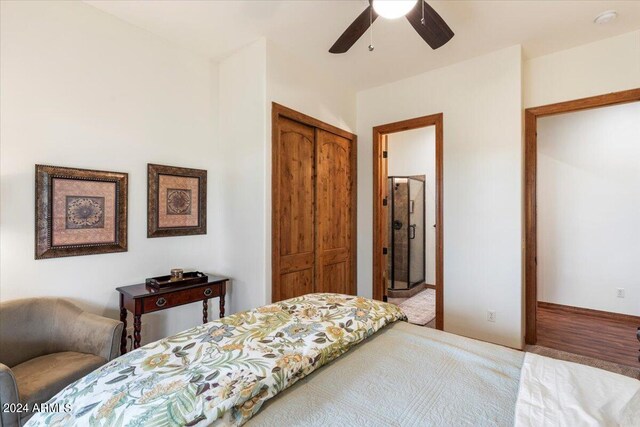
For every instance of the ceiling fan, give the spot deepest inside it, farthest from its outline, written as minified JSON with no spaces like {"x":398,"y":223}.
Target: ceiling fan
{"x":426,"y":21}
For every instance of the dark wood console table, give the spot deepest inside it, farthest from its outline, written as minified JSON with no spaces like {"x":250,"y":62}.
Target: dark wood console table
{"x":140,"y":299}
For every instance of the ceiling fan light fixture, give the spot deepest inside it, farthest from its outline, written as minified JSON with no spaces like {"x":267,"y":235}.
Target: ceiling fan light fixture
{"x":422,"y":17}
{"x":392,"y":9}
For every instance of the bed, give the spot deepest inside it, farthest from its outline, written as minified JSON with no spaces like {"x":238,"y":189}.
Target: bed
{"x":371,"y":368}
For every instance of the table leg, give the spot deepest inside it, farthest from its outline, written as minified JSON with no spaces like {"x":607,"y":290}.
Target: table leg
{"x":205,"y":311}
{"x":123,"y":319}
{"x":221,"y":306}
{"x":137,"y":326}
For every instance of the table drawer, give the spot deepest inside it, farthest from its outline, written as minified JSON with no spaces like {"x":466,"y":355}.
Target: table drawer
{"x":180,"y":297}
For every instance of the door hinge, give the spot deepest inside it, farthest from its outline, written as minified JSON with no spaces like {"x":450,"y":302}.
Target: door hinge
{"x":384,"y":202}
{"x":384,"y":154}
{"x":384,"y":251}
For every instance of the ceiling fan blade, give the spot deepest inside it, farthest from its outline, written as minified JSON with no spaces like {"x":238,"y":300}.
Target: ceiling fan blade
{"x":354,"y":31}
{"x":435,"y":31}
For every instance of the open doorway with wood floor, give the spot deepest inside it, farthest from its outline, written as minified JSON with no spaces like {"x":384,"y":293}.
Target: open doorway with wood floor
{"x":407,"y":217}
{"x":582,"y":235}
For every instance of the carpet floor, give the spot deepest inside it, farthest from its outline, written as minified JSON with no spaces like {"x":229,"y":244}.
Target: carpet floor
{"x":628,"y":371}
{"x":420,"y":308}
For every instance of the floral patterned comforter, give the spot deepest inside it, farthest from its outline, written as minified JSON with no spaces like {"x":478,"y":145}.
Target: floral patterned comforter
{"x":223,"y":371}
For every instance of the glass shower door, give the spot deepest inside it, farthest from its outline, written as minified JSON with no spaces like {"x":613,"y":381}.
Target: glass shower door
{"x":416,"y":231}
{"x":400,"y":233}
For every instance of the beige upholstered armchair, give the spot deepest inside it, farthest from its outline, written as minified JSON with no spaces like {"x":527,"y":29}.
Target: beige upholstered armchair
{"x":46,"y":344}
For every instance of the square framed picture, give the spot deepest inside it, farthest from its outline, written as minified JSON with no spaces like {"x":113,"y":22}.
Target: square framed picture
{"x":80,"y":212}
{"x":177,"y":201}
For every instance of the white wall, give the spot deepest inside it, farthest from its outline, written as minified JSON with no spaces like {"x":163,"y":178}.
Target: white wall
{"x":81,"y":88}
{"x":481,"y":101}
{"x":297,"y":84}
{"x":589,"y":208}
{"x":243,"y":204}
{"x":608,"y":65}
{"x":413,"y":152}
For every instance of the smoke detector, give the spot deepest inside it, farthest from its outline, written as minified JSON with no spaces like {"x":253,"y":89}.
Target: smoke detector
{"x":606,"y":17}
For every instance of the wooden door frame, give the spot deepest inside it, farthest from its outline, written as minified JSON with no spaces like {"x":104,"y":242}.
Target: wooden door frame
{"x":531,"y":116}
{"x":277,"y":111}
{"x":379,"y":192}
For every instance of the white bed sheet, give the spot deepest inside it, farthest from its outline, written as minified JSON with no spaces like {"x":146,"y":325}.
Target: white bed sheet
{"x":559,"y":393}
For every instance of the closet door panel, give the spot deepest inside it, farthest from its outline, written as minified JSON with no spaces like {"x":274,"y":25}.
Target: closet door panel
{"x":335,"y":278}
{"x":296,"y":283}
{"x":334,"y":213}
{"x":294,"y":202}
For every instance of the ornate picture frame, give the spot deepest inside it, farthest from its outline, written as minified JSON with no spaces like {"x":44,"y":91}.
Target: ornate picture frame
{"x":176,"y":201}
{"x":79,"y":212}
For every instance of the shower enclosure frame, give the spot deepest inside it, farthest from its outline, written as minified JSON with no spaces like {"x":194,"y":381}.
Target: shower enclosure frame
{"x":410,"y":284}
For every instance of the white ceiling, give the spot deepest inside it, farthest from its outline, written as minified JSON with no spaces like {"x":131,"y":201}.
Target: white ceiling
{"x":308,"y":28}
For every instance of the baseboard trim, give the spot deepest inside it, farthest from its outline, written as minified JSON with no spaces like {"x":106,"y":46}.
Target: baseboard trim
{"x":626,"y":318}
{"x":427,"y":285}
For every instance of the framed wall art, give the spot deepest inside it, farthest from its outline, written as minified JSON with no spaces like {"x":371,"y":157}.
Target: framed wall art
{"x":177,"y":201}
{"x":79,"y":212}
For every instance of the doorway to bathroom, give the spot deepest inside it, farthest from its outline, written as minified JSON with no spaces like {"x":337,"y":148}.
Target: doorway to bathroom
{"x":408,"y":238}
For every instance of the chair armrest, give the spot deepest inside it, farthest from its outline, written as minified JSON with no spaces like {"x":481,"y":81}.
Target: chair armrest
{"x":8,"y":394}
{"x":94,"y":334}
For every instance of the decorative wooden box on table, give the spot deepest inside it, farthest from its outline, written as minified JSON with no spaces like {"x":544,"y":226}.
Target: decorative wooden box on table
{"x":160,"y":293}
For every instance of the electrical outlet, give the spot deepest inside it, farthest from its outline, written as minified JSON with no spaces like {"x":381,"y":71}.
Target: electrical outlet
{"x":491,"y":315}
{"x":620,"y":292}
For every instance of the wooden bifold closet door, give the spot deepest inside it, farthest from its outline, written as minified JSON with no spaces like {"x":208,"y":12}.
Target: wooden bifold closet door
{"x":313,"y":196}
